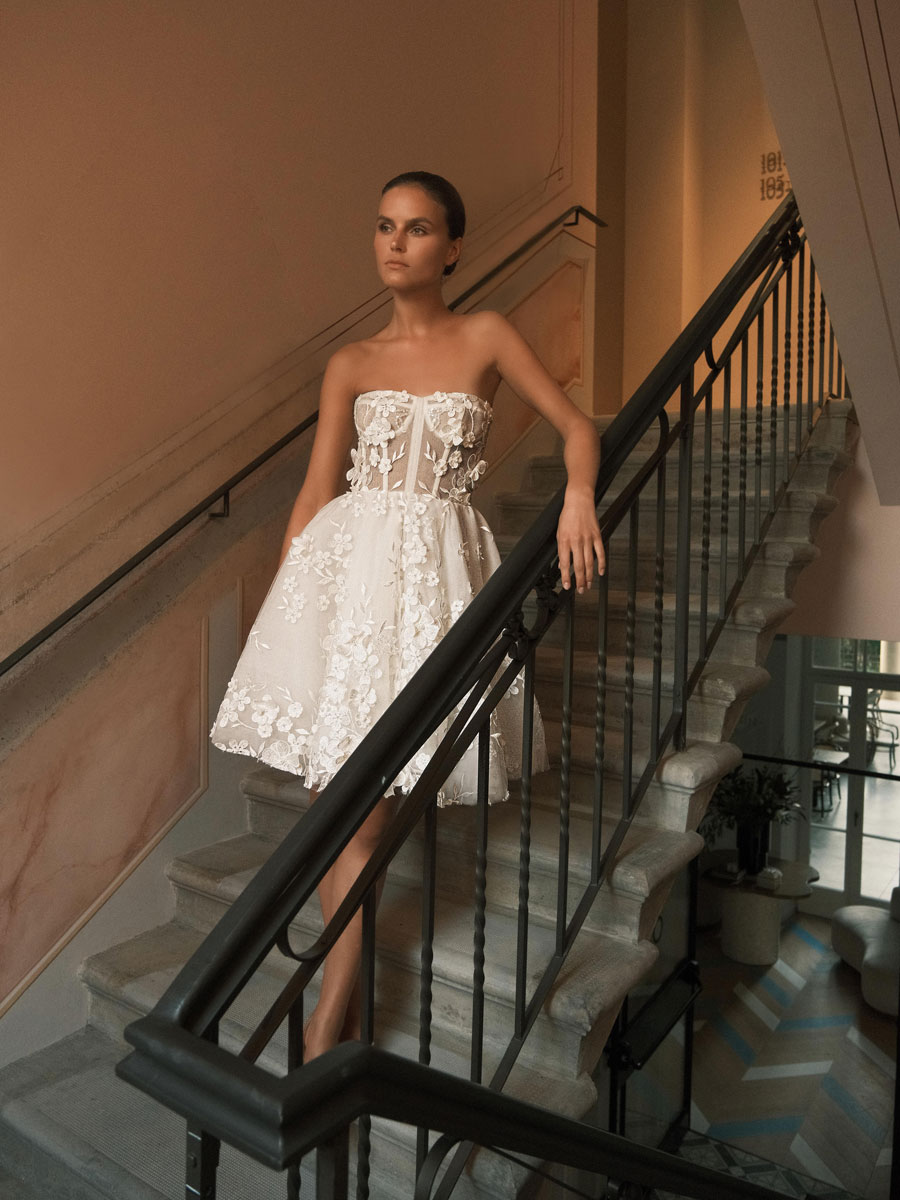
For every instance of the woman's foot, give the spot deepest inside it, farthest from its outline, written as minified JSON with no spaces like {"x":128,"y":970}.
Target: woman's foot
{"x":319,"y":1036}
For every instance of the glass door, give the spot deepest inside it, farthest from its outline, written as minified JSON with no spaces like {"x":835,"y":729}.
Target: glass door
{"x":852,"y":720}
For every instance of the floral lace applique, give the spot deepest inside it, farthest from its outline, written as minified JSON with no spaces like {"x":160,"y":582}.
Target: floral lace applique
{"x":452,"y":426}
{"x":364,"y":595}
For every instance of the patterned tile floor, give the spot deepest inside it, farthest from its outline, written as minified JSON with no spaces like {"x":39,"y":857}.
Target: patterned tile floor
{"x":791,"y":1066}
{"x":740,"y":1164}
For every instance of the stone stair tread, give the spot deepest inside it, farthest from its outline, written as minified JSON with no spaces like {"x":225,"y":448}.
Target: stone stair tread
{"x":637,"y":869}
{"x":752,"y":612}
{"x":648,"y":856}
{"x":269,"y":783}
{"x":642,"y":454}
{"x":397,"y":937}
{"x":12,"y":1188}
{"x":122,"y":1145}
{"x":82,"y":1140}
{"x":224,"y":868}
{"x":776,"y":550}
{"x":42,"y":1099}
{"x":229,"y":864}
{"x":799,"y":499}
{"x":722,"y":681}
{"x":698,"y":765}
{"x":166,"y":948}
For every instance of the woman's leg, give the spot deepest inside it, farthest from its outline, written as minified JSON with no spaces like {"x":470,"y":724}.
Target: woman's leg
{"x":336,"y":1016}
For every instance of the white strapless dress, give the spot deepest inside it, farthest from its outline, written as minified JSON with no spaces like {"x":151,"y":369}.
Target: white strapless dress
{"x":370,"y":586}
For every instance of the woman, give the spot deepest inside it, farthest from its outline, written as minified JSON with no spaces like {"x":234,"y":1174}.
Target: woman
{"x":371,"y":578}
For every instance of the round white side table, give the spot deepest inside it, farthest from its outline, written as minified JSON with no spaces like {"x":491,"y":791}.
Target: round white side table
{"x":751,"y":915}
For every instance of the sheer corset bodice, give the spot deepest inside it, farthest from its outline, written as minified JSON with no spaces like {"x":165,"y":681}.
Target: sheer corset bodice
{"x":374,"y":581}
{"x":425,"y":445}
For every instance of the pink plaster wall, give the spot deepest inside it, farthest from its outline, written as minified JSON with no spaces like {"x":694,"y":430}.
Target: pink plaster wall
{"x":697,"y":124}
{"x":851,"y":589}
{"x":94,"y":784}
{"x":193,"y":206}
{"x":84,"y":794}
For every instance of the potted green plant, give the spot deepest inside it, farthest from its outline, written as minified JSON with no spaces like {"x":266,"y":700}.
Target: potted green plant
{"x":748,"y":801}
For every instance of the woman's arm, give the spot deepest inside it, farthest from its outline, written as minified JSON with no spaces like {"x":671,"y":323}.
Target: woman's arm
{"x":578,"y":534}
{"x":325,"y":475}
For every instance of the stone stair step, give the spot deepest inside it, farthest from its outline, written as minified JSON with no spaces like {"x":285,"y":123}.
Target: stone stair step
{"x":125,"y":1146}
{"x":676,"y":798}
{"x":275,"y":801}
{"x":619,"y":906}
{"x":773,"y":572}
{"x":712,"y":709}
{"x":818,"y":468}
{"x":12,"y":1188}
{"x":584,"y":1000}
{"x":71,"y":1129}
{"x":646,"y":864}
{"x":209,"y":879}
{"x":837,"y":413}
{"x":745,"y":637}
{"x":80,"y":1133}
{"x":798,"y":515}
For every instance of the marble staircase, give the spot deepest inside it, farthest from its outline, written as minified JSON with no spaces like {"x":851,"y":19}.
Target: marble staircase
{"x":69,"y":1128}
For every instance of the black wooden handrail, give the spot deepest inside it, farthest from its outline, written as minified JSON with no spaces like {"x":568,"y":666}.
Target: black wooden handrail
{"x":173,"y":1058}
{"x":281,"y":1122}
{"x":222,"y":492}
{"x":249,"y":928}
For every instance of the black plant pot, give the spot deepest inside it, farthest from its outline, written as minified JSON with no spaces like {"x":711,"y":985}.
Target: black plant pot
{"x":752,"y":847}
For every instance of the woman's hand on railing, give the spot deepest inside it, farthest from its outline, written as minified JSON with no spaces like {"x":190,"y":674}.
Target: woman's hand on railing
{"x":579,"y":540}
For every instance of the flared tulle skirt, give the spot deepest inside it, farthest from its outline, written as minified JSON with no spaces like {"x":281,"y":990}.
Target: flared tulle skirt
{"x":365,"y":593}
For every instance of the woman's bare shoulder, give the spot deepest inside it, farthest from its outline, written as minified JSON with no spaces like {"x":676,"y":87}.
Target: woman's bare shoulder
{"x":347,"y":365}
{"x":487,"y":329}
{"x":486,"y":322}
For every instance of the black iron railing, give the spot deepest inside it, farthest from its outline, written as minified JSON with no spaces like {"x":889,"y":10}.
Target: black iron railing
{"x":750,"y":411}
{"x":222,"y":494}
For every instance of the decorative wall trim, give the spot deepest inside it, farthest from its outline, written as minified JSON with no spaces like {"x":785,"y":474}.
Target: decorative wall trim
{"x":202,"y":784}
{"x":59,"y":559}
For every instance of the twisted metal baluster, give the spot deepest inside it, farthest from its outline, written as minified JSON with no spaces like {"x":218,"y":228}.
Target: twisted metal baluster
{"x":426,"y":969}
{"x":565,"y":772}
{"x":630,"y":626}
{"x":683,"y":552}
{"x":707,"y":521}
{"x":773,"y":407}
{"x":742,"y":459}
{"x":480,"y":904}
{"x":659,"y":583}
{"x":786,"y":380}
{"x":201,"y":1151}
{"x":600,"y":723}
{"x":811,"y":345}
{"x":726,"y":486}
{"x":830,"y":359}
{"x":333,"y":1166}
{"x":367,"y":1034}
{"x":821,"y":348}
{"x":524,"y":847}
{"x":294,"y":1060}
{"x":758,"y":454}
{"x":801,"y":295}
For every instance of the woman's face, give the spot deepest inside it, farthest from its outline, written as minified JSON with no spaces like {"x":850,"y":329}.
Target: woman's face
{"x":412,"y":242}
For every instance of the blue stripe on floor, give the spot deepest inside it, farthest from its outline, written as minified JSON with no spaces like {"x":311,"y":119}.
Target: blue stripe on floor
{"x":741,"y":1048}
{"x":792,"y":1023}
{"x":854,"y":1110}
{"x":784,"y":998}
{"x":806,"y":936}
{"x":726,"y":1131}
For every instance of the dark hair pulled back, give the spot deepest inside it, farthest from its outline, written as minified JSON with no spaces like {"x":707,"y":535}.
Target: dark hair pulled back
{"x":443,"y":192}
